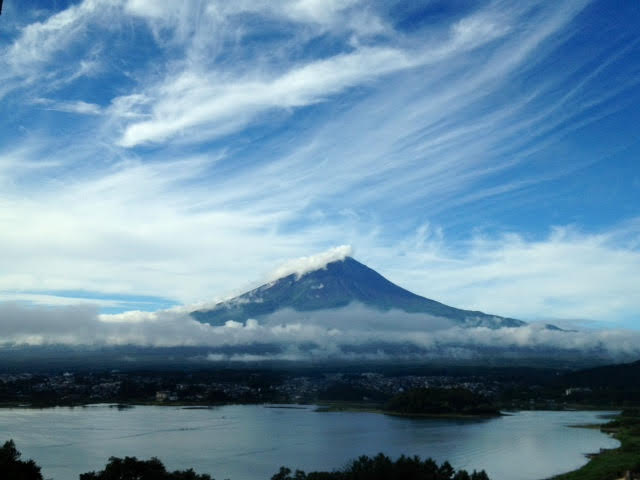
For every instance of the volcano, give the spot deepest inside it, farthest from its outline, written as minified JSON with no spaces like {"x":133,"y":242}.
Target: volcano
{"x":336,"y":285}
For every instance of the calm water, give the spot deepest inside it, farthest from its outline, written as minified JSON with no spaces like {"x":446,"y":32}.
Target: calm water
{"x":251,"y":442}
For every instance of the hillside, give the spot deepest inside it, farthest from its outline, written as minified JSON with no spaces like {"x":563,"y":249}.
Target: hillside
{"x":622,"y":376}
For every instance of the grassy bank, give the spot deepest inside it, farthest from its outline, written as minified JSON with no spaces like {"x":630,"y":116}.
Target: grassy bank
{"x":612,"y":464}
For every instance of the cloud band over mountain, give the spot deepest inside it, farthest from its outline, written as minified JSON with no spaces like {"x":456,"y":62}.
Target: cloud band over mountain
{"x":353,"y":332}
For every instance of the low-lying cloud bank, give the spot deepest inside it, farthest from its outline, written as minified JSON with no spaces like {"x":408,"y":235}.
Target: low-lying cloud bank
{"x":350,"y":333}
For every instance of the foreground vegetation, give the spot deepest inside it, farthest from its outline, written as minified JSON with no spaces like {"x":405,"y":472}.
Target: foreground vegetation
{"x":12,"y":467}
{"x":382,"y":467}
{"x":613,"y":464}
{"x":379,"y":467}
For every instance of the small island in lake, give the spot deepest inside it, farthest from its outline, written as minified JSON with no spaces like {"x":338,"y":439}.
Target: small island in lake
{"x":440,"y":402}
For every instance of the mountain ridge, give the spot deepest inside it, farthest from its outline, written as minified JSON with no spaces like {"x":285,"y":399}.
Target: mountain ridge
{"x":338,"y":284}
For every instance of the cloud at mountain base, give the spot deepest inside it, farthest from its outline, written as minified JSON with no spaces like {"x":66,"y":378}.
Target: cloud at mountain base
{"x":350,"y":333}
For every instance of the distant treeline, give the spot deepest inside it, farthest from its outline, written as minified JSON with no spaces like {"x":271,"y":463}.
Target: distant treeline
{"x":380,"y":467}
{"x":617,"y":385}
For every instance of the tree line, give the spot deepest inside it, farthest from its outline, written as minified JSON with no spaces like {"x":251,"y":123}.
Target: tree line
{"x":380,"y":467}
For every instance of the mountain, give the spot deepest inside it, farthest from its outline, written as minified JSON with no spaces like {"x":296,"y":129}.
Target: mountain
{"x":336,"y":285}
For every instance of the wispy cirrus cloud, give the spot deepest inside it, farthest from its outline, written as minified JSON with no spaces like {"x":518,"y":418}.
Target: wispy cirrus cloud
{"x":222,"y":106}
{"x":79,"y":107}
{"x":549,"y":278}
{"x":235,"y":136}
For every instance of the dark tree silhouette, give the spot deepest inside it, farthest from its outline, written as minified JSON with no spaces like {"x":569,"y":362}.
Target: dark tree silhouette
{"x":130,"y":468}
{"x":11,"y":467}
{"x":382,"y":467}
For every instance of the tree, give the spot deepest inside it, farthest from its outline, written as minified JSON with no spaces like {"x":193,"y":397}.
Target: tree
{"x":462,"y":475}
{"x":12,"y":467}
{"x":130,"y":468}
{"x":381,"y":467}
{"x":481,"y":475}
{"x":285,"y":474}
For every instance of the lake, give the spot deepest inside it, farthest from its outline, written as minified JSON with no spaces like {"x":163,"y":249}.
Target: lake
{"x":243,"y":442}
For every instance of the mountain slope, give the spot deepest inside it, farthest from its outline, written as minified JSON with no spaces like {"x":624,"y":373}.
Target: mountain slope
{"x":337,"y":285}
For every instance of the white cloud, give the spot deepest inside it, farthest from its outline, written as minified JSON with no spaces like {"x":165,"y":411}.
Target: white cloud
{"x":316,"y":10}
{"x":328,"y":14}
{"x":77,"y":106}
{"x":568,"y":274}
{"x":218,"y":103}
{"x":304,"y":265}
{"x":32,"y":58}
{"x":308,"y":337}
{"x":222,"y":105}
{"x":58,"y":300}
{"x":152,"y":9}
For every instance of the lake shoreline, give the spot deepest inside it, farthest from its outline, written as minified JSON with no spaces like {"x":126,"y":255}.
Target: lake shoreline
{"x":611,"y":462}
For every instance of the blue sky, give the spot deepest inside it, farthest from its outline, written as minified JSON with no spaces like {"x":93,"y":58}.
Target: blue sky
{"x":484,"y":154}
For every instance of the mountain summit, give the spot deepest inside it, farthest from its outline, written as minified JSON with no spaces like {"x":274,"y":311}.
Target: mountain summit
{"x":338,"y":284}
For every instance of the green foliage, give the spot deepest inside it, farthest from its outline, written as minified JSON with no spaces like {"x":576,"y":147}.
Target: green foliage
{"x":11,"y":467}
{"x":130,"y":468}
{"x":382,"y":467}
{"x":440,"y":401}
